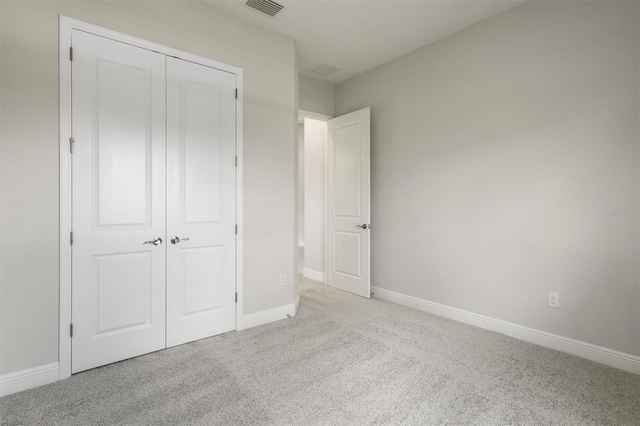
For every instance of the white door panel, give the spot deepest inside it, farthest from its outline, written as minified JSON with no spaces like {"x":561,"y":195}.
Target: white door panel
{"x":201,"y":201}
{"x":118,"y":298}
{"x":347,"y":170}
{"x":348,"y":242}
{"x":201,"y":281}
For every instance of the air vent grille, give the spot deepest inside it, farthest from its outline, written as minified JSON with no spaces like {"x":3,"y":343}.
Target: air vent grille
{"x":269,"y":7}
{"x":323,"y":69}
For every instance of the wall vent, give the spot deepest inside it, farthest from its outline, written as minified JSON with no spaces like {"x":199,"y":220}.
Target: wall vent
{"x":269,"y":7}
{"x":323,"y":69}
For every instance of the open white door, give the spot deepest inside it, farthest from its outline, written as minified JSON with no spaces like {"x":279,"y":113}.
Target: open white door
{"x":119,"y":192}
{"x":348,"y":200}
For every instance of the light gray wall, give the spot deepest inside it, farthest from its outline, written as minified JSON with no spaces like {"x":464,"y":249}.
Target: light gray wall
{"x":29,"y":153}
{"x":315,"y":147}
{"x":496,"y":153}
{"x":316,"y":95}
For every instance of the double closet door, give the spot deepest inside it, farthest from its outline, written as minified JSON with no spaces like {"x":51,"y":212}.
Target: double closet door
{"x":154,"y":184}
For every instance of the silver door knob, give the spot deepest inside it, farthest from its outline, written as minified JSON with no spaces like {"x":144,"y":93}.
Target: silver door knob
{"x":156,"y":241}
{"x":176,"y":239}
{"x":363,"y":226}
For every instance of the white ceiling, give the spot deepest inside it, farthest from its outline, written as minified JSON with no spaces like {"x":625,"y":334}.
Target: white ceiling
{"x":357,"y":35}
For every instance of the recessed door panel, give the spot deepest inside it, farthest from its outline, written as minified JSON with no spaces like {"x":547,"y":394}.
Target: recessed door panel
{"x":201,"y":142}
{"x":347,"y":170}
{"x":123,"y":143}
{"x":201,"y":201}
{"x":202,"y":279}
{"x":122,"y":291}
{"x":347,"y":253}
{"x":348,"y":200}
{"x":119,"y":199}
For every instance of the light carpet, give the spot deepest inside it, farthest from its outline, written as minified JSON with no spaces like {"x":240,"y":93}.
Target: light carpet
{"x":343,"y":360}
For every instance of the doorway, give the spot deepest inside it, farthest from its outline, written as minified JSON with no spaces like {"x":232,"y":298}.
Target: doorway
{"x":312,"y":149}
{"x":334,"y":199}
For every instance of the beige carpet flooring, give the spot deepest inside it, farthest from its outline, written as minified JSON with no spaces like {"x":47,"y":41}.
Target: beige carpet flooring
{"x":343,"y":360}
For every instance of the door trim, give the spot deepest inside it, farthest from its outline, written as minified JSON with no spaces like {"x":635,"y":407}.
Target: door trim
{"x":66,"y":26}
{"x":302,"y":114}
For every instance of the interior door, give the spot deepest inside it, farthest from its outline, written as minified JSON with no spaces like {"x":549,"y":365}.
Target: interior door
{"x":348,"y":202}
{"x":119,"y":191}
{"x":201,"y":222}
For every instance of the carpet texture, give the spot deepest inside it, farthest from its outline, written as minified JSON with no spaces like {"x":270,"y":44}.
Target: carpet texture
{"x":343,"y":360}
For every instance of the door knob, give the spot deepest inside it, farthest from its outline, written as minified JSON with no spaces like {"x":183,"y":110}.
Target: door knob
{"x":176,"y":239}
{"x":156,"y":241}
{"x":363,"y":226}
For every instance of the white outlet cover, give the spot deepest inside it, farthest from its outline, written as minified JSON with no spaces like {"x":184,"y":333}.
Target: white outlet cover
{"x":553,"y":299}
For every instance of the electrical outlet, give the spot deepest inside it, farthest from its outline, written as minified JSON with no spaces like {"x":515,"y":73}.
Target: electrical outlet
{"x":283,"y":279}
{"x":553,"y":299}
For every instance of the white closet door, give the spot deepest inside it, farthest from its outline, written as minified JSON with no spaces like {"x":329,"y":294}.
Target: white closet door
{"x":201,"y":221}
{"x":119,"y":198}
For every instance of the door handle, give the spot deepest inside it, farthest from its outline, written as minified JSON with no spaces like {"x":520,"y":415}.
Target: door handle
{"x":363,"y":226}
{"x":156,"y":241}
{"x":176,"y":239}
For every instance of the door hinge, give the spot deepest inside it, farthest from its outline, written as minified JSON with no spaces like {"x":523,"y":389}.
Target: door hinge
{"x":71,"y":142}
{"x":236,"y":229}
{"x":236,"y":161}
{"x":236,"y":93}
{"x":236,"y":297}
{"x":70,"y":330}
{"x":71,"y":53}
{"x":71,"y":237}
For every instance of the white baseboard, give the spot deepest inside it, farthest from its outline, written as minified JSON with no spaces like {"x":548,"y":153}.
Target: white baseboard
{"x":29,"y":378}
{"x":610,"y":357}
{"x":265,"y":317}
{"x":301,"y":243}
{"x":314,"y":275}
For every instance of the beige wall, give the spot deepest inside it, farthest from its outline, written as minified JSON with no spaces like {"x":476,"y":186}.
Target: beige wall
{"x":316,"y":96}
{"x":496,"y":153}
{"x":29,"y":153}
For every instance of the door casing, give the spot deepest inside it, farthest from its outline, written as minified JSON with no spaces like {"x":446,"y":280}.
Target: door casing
{"x":66,"y":25}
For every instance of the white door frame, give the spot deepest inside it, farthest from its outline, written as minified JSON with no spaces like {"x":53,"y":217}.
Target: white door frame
{"x":67,"y":25}
{"x":302,"y":114}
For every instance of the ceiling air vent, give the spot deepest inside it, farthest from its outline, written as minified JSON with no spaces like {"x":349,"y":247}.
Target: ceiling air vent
{"x":323,"y":69}
{"x":265,"y":6}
